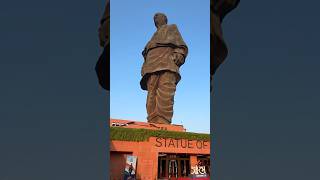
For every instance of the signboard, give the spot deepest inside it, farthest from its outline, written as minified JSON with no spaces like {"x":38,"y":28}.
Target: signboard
{"x":181,"y":143}
{"x":198,"y":170}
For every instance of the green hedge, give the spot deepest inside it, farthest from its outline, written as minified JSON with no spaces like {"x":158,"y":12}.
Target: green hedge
{"x":129,"y":134}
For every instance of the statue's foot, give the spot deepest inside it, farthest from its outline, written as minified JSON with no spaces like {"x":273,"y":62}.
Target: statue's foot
{"x":159,"y":120}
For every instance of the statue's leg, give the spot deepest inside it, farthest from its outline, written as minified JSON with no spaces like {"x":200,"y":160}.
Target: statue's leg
{"x":151,"y":98}
{"x":164,"y":98}
{"x":165,"y":94}
{"x":160,"y":99}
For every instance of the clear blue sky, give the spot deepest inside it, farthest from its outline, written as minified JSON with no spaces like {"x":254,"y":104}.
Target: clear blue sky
{"x":131,"y":28}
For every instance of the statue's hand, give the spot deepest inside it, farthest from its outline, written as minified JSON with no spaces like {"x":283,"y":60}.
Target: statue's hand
{"x":178,"y":59}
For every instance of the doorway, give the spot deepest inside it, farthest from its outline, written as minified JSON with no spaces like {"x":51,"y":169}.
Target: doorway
{"x":173,"y":166}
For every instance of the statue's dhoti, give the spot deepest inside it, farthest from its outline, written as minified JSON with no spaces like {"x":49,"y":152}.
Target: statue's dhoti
{"x":161,"y":88}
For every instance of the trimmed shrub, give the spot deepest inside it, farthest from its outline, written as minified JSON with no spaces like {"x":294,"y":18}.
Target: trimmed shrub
{"x":130,"y":134}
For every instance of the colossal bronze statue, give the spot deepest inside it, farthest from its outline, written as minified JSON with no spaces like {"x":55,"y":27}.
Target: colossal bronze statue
{"x":163,"y":56}
{"x":219,"y":9}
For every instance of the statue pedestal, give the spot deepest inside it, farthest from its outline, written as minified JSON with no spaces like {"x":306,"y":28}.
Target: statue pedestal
{"x":145,"y":125}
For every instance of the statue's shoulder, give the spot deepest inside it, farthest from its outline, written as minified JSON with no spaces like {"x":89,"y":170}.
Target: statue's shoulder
{"x":172,"y":26}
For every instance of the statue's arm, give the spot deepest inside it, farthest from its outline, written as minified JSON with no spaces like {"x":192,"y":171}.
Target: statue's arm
{"x":180,"y":51}
{"x":180,"y":54}
{"x":144,"y":53}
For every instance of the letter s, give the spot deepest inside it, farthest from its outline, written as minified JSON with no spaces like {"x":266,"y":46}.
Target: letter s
{"x":159,"y":143}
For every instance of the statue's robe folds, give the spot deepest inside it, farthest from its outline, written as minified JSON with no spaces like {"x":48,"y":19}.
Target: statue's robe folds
{"x":160,"y":73}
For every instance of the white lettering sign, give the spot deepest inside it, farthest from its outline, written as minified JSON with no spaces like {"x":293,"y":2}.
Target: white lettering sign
{"x":198,"y":170}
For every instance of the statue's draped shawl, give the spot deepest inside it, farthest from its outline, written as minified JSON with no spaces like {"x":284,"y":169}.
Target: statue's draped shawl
{"x":165,"y":41}
{"x":167,"y":35}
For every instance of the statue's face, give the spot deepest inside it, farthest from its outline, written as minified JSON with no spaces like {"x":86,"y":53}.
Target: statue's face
{"x":160,"y":19}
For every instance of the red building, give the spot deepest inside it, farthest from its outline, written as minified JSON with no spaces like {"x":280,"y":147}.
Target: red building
{"x":161,"y":151}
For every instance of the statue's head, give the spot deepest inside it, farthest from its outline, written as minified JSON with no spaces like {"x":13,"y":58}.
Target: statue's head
{"x":160,"y":19}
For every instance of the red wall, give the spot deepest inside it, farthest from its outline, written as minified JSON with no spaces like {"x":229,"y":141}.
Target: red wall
{"x":147,"y":153}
